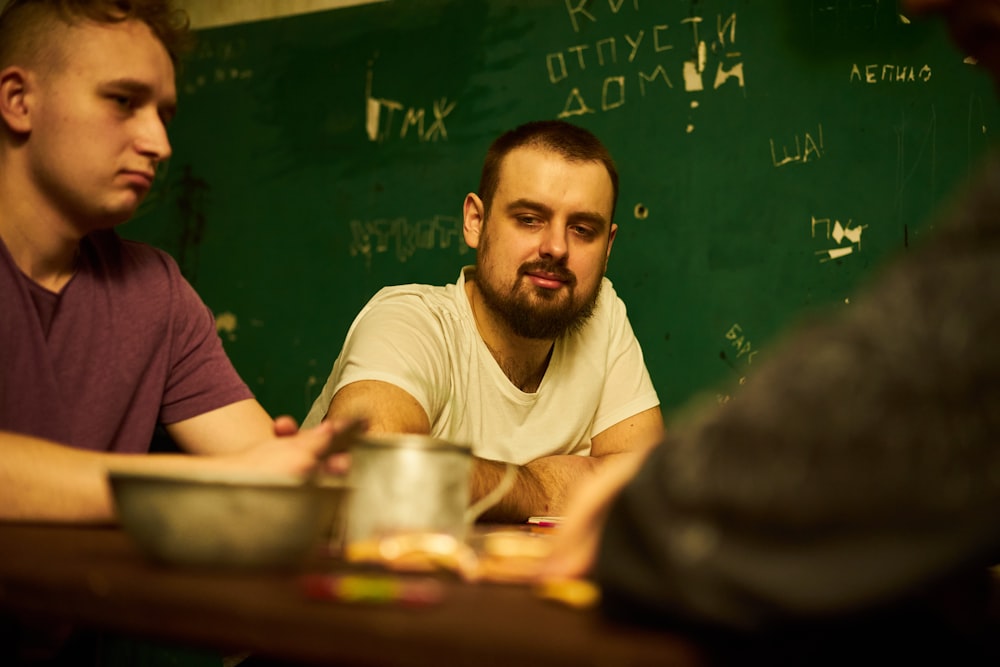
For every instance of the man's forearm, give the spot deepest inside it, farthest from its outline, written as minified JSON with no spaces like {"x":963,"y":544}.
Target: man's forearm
{"x":44,"y":481}
{"x":540,"y":487}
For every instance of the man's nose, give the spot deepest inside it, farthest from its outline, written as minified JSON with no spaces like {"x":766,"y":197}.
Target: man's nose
{"x":152,"y":140}
{"x":554,"y":241}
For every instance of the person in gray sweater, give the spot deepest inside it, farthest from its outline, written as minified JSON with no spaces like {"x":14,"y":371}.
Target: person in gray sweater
{"x":850,"y":490}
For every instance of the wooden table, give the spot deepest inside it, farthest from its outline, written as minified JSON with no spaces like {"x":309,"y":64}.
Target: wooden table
{"x":95,"y":577}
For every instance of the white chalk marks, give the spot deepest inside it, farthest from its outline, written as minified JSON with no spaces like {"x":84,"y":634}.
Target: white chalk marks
{"x":642,"y":61}
{"x":808,"y":146}
{"x":846,"y":236}
{"x":392,"y":119}
{"x":403,"y":238}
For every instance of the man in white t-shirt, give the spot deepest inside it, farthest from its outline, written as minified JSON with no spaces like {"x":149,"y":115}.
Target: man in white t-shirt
{"x":529,"y":357}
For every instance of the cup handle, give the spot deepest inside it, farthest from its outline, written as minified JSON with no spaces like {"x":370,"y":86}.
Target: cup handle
{"x":494,"y":496}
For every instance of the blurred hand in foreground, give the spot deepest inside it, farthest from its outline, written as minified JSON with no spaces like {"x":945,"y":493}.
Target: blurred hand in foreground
{"x":297,"y":451}
{"x":575,"y":541}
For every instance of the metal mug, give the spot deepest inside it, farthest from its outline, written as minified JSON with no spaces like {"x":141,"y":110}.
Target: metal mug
{"x":412,"y":483}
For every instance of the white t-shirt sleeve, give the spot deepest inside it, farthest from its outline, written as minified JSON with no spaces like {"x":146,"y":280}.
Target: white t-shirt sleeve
{"x":394,"y":340}
{"x":628,"y":389}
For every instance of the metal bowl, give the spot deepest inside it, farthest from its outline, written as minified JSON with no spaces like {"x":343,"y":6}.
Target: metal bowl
{"x":227,"y":520}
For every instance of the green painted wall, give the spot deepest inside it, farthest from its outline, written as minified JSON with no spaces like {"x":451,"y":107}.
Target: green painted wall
{"x":772,"y":155}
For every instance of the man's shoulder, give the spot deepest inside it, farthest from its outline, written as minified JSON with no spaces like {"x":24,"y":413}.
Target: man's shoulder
{"x":607,"y":324}
{"x":111,"y":251}
{"x":135,"y":273}
{"x":608,"y":292}
{"x":416,"y":311}
{"x":415,"y":295}
{"x":609,"y":304}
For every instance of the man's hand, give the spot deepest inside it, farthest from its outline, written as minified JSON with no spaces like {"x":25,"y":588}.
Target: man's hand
{"x":540,"y":487}
{"x":294,"y":451}
{"x":47,"y":481}
{"x":285,"y":425}
{"x":545,"y":486}
{"x":574,"y":546}
{"x":336,"y":463}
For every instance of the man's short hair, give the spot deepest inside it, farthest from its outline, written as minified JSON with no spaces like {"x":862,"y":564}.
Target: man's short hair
{"x":24,"y":23}
{"x":570,"y":141}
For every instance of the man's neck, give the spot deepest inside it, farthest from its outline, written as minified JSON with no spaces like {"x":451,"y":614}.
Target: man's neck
{"x":523,"y":360}
{"x":45,"y":251}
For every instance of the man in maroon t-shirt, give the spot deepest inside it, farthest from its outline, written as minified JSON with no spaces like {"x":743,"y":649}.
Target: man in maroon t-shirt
{"x":100,"y":338}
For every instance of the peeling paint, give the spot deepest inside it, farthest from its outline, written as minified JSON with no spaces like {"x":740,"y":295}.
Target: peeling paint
{"x":226,"y":323}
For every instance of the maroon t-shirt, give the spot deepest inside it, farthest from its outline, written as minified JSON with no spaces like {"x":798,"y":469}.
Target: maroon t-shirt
{"x":127,"y":343}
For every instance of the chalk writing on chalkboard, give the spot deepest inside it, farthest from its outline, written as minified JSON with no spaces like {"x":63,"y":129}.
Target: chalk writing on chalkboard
{"x":580,"y":11}
{"x":807,"y":147}
{"x":216,"y":62}
{"x":222,"y":50}
{"x":639,"y":53}
{"x":740,"y":341}
{"x":404,"y":238}
{"x":744,"y":353}
{"x":838,"y":232}
{"x":381,"y":126}
{"x":876,"y":73}
{"x":217,"y":76}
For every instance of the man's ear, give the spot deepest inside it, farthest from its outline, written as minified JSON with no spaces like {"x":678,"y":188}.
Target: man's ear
{"x":611,"y":239}
{"x":14,"y":99}
{"x":473,"y":216}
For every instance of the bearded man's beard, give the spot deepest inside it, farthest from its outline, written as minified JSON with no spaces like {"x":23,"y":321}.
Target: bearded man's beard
{"x":538,"y":313}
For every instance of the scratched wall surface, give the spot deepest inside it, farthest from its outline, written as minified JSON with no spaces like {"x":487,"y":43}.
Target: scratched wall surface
{"x":772,"y":156}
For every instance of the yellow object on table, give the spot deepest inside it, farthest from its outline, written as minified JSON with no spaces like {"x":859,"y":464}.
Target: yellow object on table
{"x":576,"y":593}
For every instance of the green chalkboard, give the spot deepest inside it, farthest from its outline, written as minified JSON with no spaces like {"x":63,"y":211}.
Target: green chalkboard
{"x":772,"y":155}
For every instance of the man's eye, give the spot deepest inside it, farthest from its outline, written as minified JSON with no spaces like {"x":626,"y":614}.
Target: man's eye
{"x":584,"y":232}
{"x":124,"y":101}
{"x":527,"y":219}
